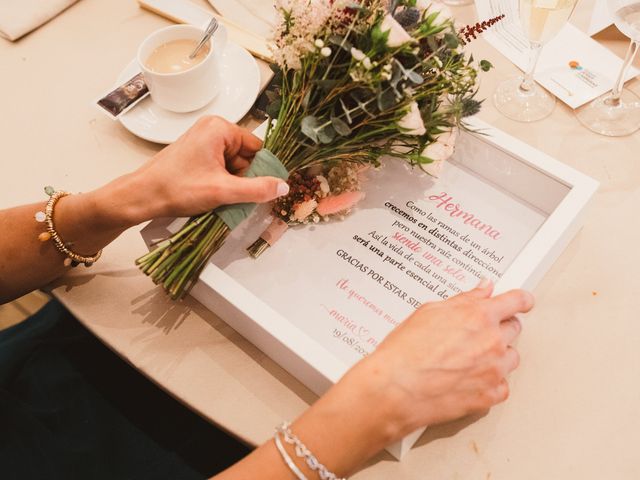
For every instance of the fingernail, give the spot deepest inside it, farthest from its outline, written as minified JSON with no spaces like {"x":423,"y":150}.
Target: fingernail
{"x":283,"y":189}
{"x":484,"y":283}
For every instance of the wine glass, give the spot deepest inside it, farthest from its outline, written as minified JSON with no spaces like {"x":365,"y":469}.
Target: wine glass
{"x":521,"y":98}
{"x":618,"y":112}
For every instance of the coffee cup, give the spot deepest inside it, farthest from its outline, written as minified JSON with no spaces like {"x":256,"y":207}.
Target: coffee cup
{"x":190,"y":88}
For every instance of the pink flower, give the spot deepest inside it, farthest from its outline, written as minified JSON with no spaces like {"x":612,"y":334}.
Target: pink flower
{"x":397,"y":35}
{"x":338,"y":203}
{"x":412,"y":121}
{"x":302,"y":210}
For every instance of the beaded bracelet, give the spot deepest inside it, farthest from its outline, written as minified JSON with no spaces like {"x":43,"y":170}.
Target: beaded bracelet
{"x":302,"y":452}
{"x":73,"y":259}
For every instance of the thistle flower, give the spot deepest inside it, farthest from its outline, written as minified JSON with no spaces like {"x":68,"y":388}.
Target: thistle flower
{"x":408,"y":17}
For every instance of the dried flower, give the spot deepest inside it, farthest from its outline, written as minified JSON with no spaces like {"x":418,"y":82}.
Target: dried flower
{"x":302,"y":210}
{"x":339,"y":203}
{"x":471,"y":32}
{"x":324,"y":184}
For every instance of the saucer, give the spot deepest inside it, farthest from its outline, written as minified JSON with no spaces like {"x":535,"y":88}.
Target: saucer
{"x":241,"y":86}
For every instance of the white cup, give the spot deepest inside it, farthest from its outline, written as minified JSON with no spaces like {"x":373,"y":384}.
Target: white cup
{"x":190,"y":89}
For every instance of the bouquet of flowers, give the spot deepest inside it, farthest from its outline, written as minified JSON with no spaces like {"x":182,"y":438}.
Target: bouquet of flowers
{"x":355,"y":81}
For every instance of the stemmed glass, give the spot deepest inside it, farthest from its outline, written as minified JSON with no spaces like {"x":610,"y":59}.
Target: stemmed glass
{"x":521,"y":98}
{"x":618,"y":112}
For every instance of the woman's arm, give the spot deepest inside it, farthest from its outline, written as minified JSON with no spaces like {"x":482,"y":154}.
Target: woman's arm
{"x":193,"y":175}
{"x":448,"y":360}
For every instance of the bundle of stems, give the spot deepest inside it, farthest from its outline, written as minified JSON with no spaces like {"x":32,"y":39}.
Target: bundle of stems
{"x":351,"y":96}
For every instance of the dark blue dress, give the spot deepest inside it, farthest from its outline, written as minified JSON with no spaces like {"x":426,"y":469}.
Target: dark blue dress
{"x":71,"y":409}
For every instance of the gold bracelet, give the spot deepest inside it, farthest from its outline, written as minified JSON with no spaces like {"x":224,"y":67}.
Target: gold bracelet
{"x":73,"y":259}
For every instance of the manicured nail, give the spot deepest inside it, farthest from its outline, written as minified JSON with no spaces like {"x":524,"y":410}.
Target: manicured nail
{"x":484,"y":283}
{"x":283,"y":189}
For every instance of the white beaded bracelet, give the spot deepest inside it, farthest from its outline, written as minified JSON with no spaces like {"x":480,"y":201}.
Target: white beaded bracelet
{"x":302,"y":452}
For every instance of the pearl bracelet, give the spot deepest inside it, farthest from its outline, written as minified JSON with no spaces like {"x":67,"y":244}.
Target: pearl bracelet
{"x":73,"y":259}
{"x":302,"y":452}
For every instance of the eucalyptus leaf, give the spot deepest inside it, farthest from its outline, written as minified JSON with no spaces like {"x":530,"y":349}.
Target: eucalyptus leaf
{"x":340,"y":126}
{"x":272,"y":95}
{"x":326,"y":134}
{"x":397,"y":76}
{"x":327,"y":84}
{"x":309,"y":126}
{"x":340,"y":42}
{"x":414,"y":77}
{"x":451,"y":40}
{"x":273,"y":109}
{"x":409,"y":74}
{"x":485,"y":65}
{"x":386,"y":100}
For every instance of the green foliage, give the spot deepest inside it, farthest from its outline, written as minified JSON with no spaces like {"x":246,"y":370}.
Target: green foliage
{"x":349,"y":106}
{"x":485,"y":65}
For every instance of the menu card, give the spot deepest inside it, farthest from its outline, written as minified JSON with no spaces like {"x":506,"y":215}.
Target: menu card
{"x":572,"y":66}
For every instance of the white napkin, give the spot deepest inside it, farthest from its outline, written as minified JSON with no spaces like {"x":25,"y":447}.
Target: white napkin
{"x":19,"y":17}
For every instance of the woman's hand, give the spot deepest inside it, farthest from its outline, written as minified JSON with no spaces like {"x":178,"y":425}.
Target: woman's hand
{"x":447,"y":360}
{"x":450,"y":359}
{"x":199,"y":172}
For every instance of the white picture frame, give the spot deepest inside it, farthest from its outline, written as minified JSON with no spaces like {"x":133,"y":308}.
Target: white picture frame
{"x":550,"y":186}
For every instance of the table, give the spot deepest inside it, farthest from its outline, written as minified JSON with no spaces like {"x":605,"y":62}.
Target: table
{"x":573,"y":409}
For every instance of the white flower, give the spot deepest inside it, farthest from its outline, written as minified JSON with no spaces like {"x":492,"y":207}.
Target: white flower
{"x":437,"y":151}
{"x":325,"y":51}
{"x":397,"y":35}
{"x":366,"y":63}
{"x":358,"y":55}
{"x":319,"y":43}
{"x":448,"y":138}
{"x":412,"y":121}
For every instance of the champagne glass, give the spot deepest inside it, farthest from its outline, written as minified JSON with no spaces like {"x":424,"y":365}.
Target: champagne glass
{"x":618,"y":112}
{"x":521,"y":98}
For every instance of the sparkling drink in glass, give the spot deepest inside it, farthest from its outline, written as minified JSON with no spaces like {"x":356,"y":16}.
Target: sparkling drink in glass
{"x":520,"y":98}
